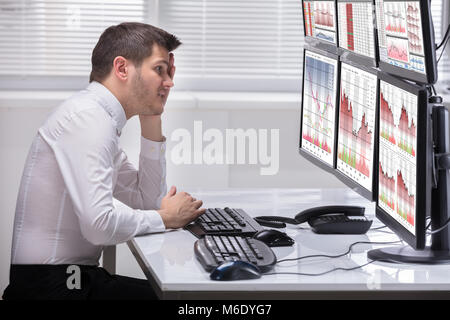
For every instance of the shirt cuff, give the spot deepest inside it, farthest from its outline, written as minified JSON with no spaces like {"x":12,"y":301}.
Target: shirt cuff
{"x":152,"y":149}
{"x":156,"y":223}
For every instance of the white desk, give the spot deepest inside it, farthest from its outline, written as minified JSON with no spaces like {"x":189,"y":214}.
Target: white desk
{"x":169,"y":263}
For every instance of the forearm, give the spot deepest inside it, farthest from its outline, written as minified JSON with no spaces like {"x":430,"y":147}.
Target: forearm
{"x":143,"y":188}
{"x":151,"y":128}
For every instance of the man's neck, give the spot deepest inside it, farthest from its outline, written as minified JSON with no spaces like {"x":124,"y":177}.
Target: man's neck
{"x":118,"y":93}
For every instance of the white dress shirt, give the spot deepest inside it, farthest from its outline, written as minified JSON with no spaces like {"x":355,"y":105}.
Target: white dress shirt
{"x":65,"y":212}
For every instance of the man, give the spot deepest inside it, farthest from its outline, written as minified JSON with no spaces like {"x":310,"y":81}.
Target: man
{"x":65,"y":212}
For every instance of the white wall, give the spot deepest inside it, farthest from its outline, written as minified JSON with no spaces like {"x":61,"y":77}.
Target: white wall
{"x":20,"y":119}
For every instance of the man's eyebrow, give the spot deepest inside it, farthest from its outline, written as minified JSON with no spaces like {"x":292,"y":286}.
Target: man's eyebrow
{"x":163,"y":61}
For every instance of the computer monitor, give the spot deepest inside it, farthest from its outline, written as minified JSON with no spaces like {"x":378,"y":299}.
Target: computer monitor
{"x":357,"y":36}
{"x":357,"y":129}
{"x":320,"y":25}
{"x":319,"y":112}
{"x":406,"y":39}
{"x":404,"y":163}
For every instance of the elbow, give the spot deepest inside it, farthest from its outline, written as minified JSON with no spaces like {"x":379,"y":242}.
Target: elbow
{"x":98,"y":231}
{"x":97,"y":238}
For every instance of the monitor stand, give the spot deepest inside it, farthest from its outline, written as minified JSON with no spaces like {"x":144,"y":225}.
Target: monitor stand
{"x":439,"y":251}
{"x":406,"y":254}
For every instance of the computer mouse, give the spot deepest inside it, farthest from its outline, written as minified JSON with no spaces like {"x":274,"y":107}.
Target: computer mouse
{"x":235,"y":270}
{"x":274,"y":238}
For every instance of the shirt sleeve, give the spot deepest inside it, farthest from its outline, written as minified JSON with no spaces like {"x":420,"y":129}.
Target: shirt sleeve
{"x":84,"y":147}
{"x":145,"y":188}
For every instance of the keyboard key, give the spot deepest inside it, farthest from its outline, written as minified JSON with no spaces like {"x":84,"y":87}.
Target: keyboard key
{"x":227,"y":221}
{"x":228,"y":248}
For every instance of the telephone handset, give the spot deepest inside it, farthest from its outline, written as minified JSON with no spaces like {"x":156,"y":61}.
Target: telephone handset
{"x":325,"y":220}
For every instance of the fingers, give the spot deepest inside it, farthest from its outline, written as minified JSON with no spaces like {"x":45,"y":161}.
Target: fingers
{"x":171,"y":65}
{"x":199,"y":212}
{"x":172,"y":72}
{"x":172,"y":191}
{"x":197,"y":204}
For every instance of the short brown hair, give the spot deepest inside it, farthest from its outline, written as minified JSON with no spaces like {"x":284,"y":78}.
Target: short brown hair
{"x":131,"y":40}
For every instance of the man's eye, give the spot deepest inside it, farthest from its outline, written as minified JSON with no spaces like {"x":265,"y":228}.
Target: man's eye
{"x":158,"y":69}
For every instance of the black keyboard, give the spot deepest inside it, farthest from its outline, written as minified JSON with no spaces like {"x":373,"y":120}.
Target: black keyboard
{"x":226,"y":221}
{"x":211,"y":251}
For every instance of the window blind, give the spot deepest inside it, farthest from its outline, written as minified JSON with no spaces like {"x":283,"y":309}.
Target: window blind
{"x":252,"y":45}
{"x":234,"y":44}
{"x":56,"y":37}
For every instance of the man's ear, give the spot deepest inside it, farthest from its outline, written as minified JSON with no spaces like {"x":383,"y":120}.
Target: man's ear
{"x":121,"y":68}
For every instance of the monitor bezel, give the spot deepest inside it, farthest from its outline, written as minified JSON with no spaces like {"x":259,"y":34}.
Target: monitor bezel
{"x":369,"y":195}
{"x":306,"y":154}
{"x":357,"y":57}
{"x":319,"y":44}
{"x":430,"y":76}
{"x":423,"y":166}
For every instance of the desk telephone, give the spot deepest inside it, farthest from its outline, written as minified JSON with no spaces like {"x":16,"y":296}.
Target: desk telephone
{"x":325,"y":220}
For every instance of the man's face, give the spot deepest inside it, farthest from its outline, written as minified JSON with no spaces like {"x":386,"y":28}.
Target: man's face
{"x":151,"y":83}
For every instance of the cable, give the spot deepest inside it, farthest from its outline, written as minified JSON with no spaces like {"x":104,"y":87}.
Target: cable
{"x":322,"y":273}
{"x":326,"y":256}
{"x":429,"y":223}
{"x":339,"y":255}
{"x":434,"y":90}
{"x":445,"y":36}
{"x":443,"y":49}
{"x":377,"y":228}
{"x":439,"y":229}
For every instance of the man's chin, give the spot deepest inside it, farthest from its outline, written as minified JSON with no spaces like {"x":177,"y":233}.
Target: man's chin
{"x":156,"y":111}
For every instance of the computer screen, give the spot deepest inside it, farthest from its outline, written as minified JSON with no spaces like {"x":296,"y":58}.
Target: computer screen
{"x":318,"y":117}
{"x":402,"y":162}
{"x":357,"y":124}
{"x":357,"y":28}
{"x":319,"y":21}
{"x":406,"y":39}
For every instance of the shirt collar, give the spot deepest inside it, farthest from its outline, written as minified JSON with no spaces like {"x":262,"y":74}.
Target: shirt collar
{"x":110,"y":103}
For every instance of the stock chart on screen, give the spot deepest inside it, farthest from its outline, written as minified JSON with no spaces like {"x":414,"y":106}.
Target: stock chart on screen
{"x":358,"y":102}
{"x":320,"y":20}
{"x":400,"y":36}
{"x":397,"y":154}
{"x":355,"y":25}
{"x":319,"y":110}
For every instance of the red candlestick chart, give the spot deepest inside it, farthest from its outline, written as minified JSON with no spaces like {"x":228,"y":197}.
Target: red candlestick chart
{"x":324,"y":14}
{"x":319,"y":96}
{"x":414,"y":28}
{"x":386,"y":186}
{"x":397,"y":49}
{"x":319,"y":18}
{"x":400,"y":34}
{"x":398,"y":118}
{"x":397,"y":155}
{"x":395,"y":18}
{"x":356,"y":124}
{"x":406,"y":177}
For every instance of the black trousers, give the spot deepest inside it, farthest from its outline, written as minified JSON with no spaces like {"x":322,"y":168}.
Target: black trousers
{"x":73,"y":282}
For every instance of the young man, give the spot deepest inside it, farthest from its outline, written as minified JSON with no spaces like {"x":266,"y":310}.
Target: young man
{"x":65,"y":212}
